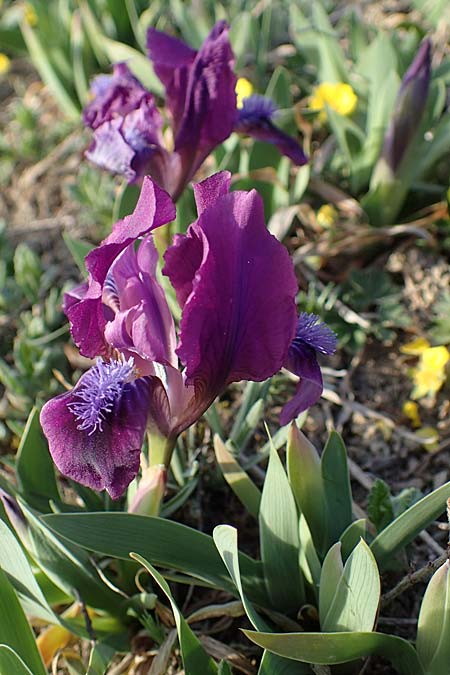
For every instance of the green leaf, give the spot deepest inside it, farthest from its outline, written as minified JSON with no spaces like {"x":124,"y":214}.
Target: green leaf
{"x":50,"y":77}
{"x":433,"y":629}
{"x":309,"y":560}
{"x":349,"y":136}
{"x":11,"y":663}
{"x":195,"y":659}
{"x":68,"y":566}
{"x":271,"y":664}
{"x":305,"y":478}
{"x":279,"y":87}
{"x":79,"y":250}
{"x":15,"y":631}
{"x":28,"y":271}
{"x":332,"y":570}
{"x":352,"y":535}
{"x":140,"y":65}
{"x":239,"y":481}
{"x":14,"y":563}
{"x":35,"y":468}
{"x":225,"y":538}
{"x":407,"y":526}
{"x":165,"y":543}
{"x":224,"y":669}
{"x":337,"y":490}
{"x":335,"y":648}
{"x":278,"y":524}
{"x":315,"y":37}
{"x":244,"y":38}
{"x":379,"y":506}
{"x":101,"y":655}
{"x":356,"y":594}
{"x":77,"y":46}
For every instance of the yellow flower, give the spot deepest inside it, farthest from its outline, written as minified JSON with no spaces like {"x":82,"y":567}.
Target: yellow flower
{"x":435,"y":358}
{"x":30,"y":15}
{"x":327,"y":215}
{"x":429,"y":376}
{"x":416,"y":347}
{"x":244,"y":89}
{"x":5,"y":64}
{"x":411,"y":410}
{"x":338,"y":96}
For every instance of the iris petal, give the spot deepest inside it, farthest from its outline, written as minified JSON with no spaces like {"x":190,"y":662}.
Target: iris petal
{"x":106,"y":456}
{"x":144,"y":323}
{"x":255,"y":119}
{"x":239,"y":319}
{"x":87,"y":316}
{"x":200,"y":89}
{"x":311,"y":336}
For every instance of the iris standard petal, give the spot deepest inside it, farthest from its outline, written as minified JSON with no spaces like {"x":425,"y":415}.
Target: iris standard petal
{"x":255,"y":119}
{"x":210,"y":106}
{"x":127,"y":127}
{"x":87,"y":316}
{"x":209,"y":190}
{"x":171,"y":59}
{"x":201,"y":95}
{"x":95,"y":432}
{"x":115,"y":96}
{"x":239,"y":319}
{"x":143,"y":324}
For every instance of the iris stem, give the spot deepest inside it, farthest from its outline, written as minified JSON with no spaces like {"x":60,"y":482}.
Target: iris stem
{"x":160,"y":449}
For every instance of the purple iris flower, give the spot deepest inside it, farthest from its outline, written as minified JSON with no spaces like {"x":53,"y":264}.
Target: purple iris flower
{"x":236,"y":287}
{"x":127,"y":127}
{"x":201,"y":104}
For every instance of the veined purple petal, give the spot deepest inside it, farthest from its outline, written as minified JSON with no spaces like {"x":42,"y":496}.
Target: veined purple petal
{"x":201,"y":94}
{"x":171,"y":59}
{"x":143,"y":324}
{"x":127,"y":127}
{"x":115,"y":96}
{"x":209,"y":190}
{"x":239,"y":319}
{"x":190,"y":248}
{"x":110,"y":151}
{"x":95,"y":432}
{"x":312,"y":336}
{"x":87,"y":316}
{"x":210,"y":109}
{"x":255,"y":119}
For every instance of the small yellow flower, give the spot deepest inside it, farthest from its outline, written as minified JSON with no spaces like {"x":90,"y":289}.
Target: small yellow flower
{"x":430,"y":375}
{"x":430,"y":438}
{"x":5,"y":64}
{"x":411,"y":411}
{"x":244,"y":89}
{"x":338,"y":96}
{"x":416,"y":347}
{"x":327,"y":215}
{"x":435,"y":358}
{"x":30,"y":15}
